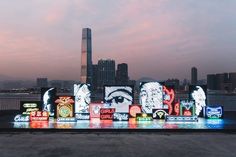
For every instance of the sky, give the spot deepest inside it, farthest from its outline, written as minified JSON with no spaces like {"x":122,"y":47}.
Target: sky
{"x":159,"y":39}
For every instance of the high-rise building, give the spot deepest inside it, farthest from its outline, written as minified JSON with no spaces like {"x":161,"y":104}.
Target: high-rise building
{"x":95,"y":77}
{"x":211,"y":81}
{"x":86,"y":56}
{"x":42,"y":82}
{"x":194,"y":76}
{"x":106,"y":72}
{"x":122,"y":77}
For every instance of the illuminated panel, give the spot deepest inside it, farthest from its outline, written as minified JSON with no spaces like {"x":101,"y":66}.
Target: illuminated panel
{"x":82,"y":93}
{"x":48,"y":97}
{"x":28,"y":106}
{"x":65,"y":108}
{"x":159,"y":113}
{"x":22,"y":118}
{"x":199,"y":94}
{"x":118,"y":97}
{"x":120,"y":116}
{"x":39,"y":116}
{"x":187,"y":107}
{"x":151,"y":96}
{"x":181,"y":118}
{"x":168,"y":98}
{"x":214,"y":112}
{"x":107,"y":113}
{"x":94,"y":109}
{"x":39,"y":124}
{"x":143,"y":117}
{"x":82,"y":116}
{"x":134,"y":109}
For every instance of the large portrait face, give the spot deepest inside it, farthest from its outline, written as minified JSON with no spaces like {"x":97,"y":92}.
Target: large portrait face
{"x":151,"y":96}
{"x":198,"y":93}
{"x":82,"y":95}
{"x":119,"y":97}
{"x":48,"y":96}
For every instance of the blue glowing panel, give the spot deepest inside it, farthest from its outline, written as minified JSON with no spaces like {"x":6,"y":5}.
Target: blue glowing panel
{"x":151,"y":96}
{"x":48,"y":96}
{"x":82,"y":116}
{"x":120,"y":116}
{"x":214,"y":112}
{"x":181,"y":118}
{"x":118,"y":97}
{"x":187,"y":107}
{"x":82,"y":93}
{"x":159,"y":113}
{"x":199,"y":94}
{"x":22,"y":118}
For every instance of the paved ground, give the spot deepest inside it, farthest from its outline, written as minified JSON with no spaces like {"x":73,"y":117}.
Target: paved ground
{"x":117,"y":144}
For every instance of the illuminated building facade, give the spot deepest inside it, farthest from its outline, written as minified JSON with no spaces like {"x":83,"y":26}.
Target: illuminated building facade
{"x":86,"y":56}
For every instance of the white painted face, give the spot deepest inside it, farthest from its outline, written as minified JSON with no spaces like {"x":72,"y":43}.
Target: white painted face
{"x":119,"y":97}
{"x":151,"y":96}
{"x":46,"y":105}
{"x":200,"y":99}
{"x":82,"y":98}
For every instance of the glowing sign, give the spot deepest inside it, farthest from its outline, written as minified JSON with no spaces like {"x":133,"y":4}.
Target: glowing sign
{"x":181,"y":118}
{"x":143,"y":117}
{"x":159,"y":113}
{"x":187,"y":107}
{"x":82,"y":95}
{"x":82,"y":116}
{"x":65,"y":108}
{"x":199,"y":94}
{"x":168,"y":98}
{"x":151,"y":96}
{"x":214,"y":112}
{"x":120,"y":116}
{"x":94,"y":109}
{"x":39,"y":116}
{"x":134,"y":109}
{"x":28,"y":106}
{"x":48,"y":96}
{"x":21,"y":118}
{"x":119,"y":97}
{"x":107,"y":113}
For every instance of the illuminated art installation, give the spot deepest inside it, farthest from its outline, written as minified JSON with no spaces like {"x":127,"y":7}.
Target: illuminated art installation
{"x":82,"y":95}
{"x":39,"y":116}
{"x":48,"y":96}
{"x":168,"y":98}
{"x":198,"y":93}
{"x":119,"y":97}
{"x":214,"y":112}
{"x":22,"y":118}
{"x":65,"y":108}
{"x":134,"y":109}
{"x":151,"y":96}
{"x":28,"y":106}
{"x":159,"y":113}
{"x":187,"y":107}
{"x":94,"y":109}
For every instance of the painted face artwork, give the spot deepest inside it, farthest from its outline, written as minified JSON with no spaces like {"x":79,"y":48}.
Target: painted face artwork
{"x":200,"y":99}
{"x":82,"y":95}
{"x":151,"y":96}
{"x":48,"y":104}
{"x":119,"y":97}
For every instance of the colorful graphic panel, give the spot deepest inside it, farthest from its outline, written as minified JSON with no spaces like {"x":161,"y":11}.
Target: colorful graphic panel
{"x":134,"y":109}
{"x":94,"y":109}
{"x":199,"y":94}
{"x":107,"y":113}
{"x":39,"y":116}
{"x":48,"y":97}
{"x":144,"y":117}
{"x":28,"y":106}
{"x":187,"y":107}
{"x":214,"y":112}
{"x":65,"y":108}
{"x":151,"y":96}
{"x":119,"y":97}
{"x":82,"y":93}
{"x":168,"y":98}
{"x":159,"y":113}
{"x":120,"y":116}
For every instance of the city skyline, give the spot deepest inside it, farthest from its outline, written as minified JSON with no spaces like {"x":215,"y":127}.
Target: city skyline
{"x":168,"y":36}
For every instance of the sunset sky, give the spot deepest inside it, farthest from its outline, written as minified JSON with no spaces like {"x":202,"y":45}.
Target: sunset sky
{"x":160,"y":39}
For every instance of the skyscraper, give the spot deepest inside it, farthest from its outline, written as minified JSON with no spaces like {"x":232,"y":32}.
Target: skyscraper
{"x":194,"y":76}
{"x":42,"y":82}
{"x":122,"y":77}
{"x":106,"y":72}
{"x":86,"y":56}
